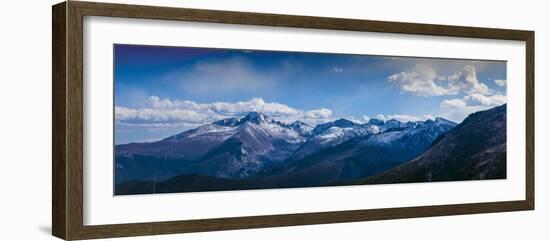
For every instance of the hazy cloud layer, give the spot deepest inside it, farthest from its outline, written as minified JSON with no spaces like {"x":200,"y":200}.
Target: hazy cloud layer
{"x":500,"y":82}
{"x":404,"y":117}
{"x":229,"y":75}
{"x":459,"y":108}
{"x":471,"y":94}
{"x":423,"y":80}
{"x":167,"y":113}
{"x":156,"y":113}
{"x":163,"y":91}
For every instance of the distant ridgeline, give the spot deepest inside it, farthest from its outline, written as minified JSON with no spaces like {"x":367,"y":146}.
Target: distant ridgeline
{"x":257,"y":152}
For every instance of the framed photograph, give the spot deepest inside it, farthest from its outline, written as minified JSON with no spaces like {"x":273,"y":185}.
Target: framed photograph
{"x":171,"y":120}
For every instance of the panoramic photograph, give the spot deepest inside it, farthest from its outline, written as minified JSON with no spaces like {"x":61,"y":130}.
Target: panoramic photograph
{"x":189,"y":119}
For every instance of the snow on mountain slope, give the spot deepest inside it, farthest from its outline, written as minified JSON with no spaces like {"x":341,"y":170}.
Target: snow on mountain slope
{"x":429,"y":129}
{"x":213,"y":130}
{"x":387,"y":137}
{"x":474,"y":150}
{"x":302,"y":128}
{"x":364,"y":155}
{"x":232,"y":147}
{"x":243,"y":147}
{"x":337,"y":132}
{"x":331,"y":134}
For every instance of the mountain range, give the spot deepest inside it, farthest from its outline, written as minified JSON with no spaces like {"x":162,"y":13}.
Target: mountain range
{"x":257,"y":151}
{"x":474,"y":150}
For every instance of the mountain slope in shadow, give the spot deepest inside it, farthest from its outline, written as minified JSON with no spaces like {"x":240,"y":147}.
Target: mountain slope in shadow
{"x":474,"y":150}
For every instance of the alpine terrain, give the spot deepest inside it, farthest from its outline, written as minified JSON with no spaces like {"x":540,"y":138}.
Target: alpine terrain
{"x":257,"y":151}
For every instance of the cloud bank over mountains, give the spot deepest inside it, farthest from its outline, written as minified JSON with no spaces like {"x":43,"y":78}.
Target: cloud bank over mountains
{"x":466,"y":95}
{"x":155,"y":113}
{"x":160,"y":91}
{"x":424,"y":81}
{"x":177,"y":112}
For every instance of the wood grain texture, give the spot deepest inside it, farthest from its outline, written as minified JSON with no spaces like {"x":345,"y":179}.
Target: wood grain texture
{"x":530,"y":120}
{"x":74,"y":110}
{"x":58,"y":121}
{"x":279,"y":20}
{"x":67,"y":153}
{"x":156,"y":228}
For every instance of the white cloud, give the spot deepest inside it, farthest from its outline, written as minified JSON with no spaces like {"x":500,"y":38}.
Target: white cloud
{"x":165,"y":113}
{"x":459,"y":114}
{"x":453,"y":103}
{"x":500,"y":82}
{"x":485,"y":100}
{"x":160,"y":115}
{"x":381,"y":117}
{"x":366,"y":118}
{"x":424,"y":81}
{"x":426,"y":117}
{"x":403,"y":117}
{"x":458,"y":109}
{"x":151,"y":115}
{"x":421,"y":81}
{"x":322,"y":113}
{"x":466,"y":81}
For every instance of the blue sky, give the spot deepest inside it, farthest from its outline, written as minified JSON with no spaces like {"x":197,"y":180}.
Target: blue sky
{"x":160,"y":91}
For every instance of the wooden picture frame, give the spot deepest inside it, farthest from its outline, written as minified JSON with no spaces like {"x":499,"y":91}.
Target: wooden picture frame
{"x":67,"y":150}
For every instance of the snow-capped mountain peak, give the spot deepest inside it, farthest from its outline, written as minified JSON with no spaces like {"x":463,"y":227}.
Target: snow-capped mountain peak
{"x":393,"y":123}
{"x":301,"y":127}
{"x":227,"y":122}
{"x":340,"y":123}
{"x":256,"y":118}
{"x":299,"y":123}
{"x":344,"y":123}
{"x":256,"y":141}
